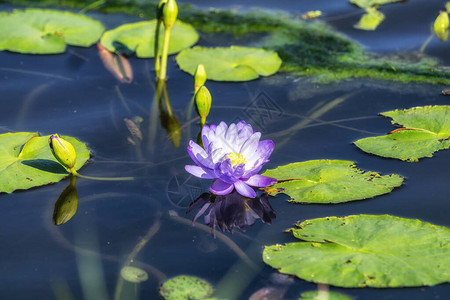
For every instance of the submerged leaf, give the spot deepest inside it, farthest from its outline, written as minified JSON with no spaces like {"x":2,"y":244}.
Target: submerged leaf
{"x":314,"y":295}
{"x":139,"y":38}
{"x":365,"y":250}
{"x":371,"y":3}
{"x":117,"y":65}
{"x":330,"y":181}
{"x":26,"y":161}
{"x":133,"y":274}
{"x":185,"y":288}
{"x":370,"y":20}
{"x":39,"y":31}
{"x":230,"y":64}
{"x":426,"y":130}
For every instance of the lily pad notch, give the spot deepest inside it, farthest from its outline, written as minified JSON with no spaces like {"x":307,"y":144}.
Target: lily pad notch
{"x":233,"y":63}
{"x":329,"y":181}
{"x":44,"y":31}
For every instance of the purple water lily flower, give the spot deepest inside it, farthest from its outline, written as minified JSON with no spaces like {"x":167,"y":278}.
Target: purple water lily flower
{"x":233,"y":156}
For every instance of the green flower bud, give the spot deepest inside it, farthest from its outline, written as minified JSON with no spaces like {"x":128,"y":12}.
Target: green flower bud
{"x":63,"y":151}
{"x":159,"y":10}
{"x":203,"y":103}
{"x":199,"y":77}
{"x":170,"y":12}
{"x":67,"y":204}
{"x":441,"y":26}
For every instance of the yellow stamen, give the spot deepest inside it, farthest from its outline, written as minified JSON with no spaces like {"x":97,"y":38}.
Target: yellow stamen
{"x":236,"y":158}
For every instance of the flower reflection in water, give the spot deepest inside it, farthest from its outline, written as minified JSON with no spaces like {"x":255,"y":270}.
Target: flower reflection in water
{"x":232,"y":210}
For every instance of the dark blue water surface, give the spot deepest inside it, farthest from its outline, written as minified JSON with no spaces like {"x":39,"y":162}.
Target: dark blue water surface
{"x":72,"y":94}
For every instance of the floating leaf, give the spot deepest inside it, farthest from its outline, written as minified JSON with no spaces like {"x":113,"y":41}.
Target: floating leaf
{"x":426,"y":130}
{"x":139,"y":38}
{"x":39,"y":31}
{"x":370,"y":20}
{"x":26,"y":161}
{"x":330,"y":181}
{"x":133,"y":274}
{"x":365,"y":250}
{"x":185,"y":288}
{"x":230,"y":64}
{"x":371,"y":3}
{"x":314,"y":295}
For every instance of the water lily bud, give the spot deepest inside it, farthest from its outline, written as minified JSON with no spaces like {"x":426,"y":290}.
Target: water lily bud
{"x":63,"y":151}
{"x":199,"y":77}
{"x":170,"y":12}
{"x":203,"y":103}
{"x":159,"y":10}
{"x":67,"y":204}
{"x":441,"y":26}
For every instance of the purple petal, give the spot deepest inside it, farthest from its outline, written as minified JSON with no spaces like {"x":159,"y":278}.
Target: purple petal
{"x":199,"y":172}
{"x":249,"y":147}
{"x":221,"y":188}
{"x":260,"y":181}
{"x":224,"y":171}
{"x":243,"y":189}
{"x":205,"y":136}
{"x":199,"y":156}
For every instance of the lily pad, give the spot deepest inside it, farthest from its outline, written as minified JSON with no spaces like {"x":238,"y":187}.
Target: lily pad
{"x":139,"y":38}
{"x":186,"y":288}
{"x":133,"y":274}
{"x":365,"y":251}
{"x":329,"y":181}
{"x":38,"y":31}
{"x":26,"y":161}
{"x":314,"y":295}
{"x":230,"y":64}
{"x":371,"y":3}
{"x":425,"y":130}
{"x":370,"y":20}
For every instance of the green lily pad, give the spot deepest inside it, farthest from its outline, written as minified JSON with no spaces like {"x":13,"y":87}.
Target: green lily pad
{"x":185,"y":288}
{"x":230,"y":64}
{"x":314,"y":295}
{"x":370,"y":20}
{"x":365,"y":250}
{"x":38,"y":31}
{"x":139,"y":38}
{"x":26,"y":161}
{"x":133,"y":274}
{"x":370,"y":3}
{"x":329,"y":181}
{"x":425,"y":130}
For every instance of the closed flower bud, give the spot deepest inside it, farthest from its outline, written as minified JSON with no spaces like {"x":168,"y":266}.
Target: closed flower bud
{"x":441,"y":26}
{"x":199,"y":77}
{"x":159,"y":10}
{"x":203,"y":103}
{"x":170,"y":12}
{"x":63,"y":151}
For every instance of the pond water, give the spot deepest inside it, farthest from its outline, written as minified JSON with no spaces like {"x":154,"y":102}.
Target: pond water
{"x":72,"y":94}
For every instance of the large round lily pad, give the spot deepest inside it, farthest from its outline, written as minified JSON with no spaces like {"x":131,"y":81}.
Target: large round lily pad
{"x":365,"y":250}
{"x":26,"y":161}
{"x":425,"y":130}
{"x":38,"y":31}
{"x":186,"y":288}
{"x":230,"y":64}
{"x":139,"y":38}
{"x":329,"y":181}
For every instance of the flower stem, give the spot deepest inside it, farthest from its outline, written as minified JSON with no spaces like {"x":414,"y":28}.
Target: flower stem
{"x":75,"y":173}
{"x":156,"y":49}
{"x":164,"y":54}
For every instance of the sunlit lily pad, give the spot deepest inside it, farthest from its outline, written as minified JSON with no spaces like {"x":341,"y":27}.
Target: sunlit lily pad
{"x":370,"y":20}
{"x":186,"y":288}
{"x":37,"y":31}
{"x":230,"y":64}
{"x":329,"y":181}
{"x":314,"y":295}
{"x":139,"y":38}
{"x":26,"y":161}
{"x":370,"y":3}
{"x":425,"y":130}
{"x":365,"y":250}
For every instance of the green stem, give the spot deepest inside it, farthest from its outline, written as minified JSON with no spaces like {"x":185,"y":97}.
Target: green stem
{"x":75,"y":173}
{"x":164,"y":54}
{"x":156,"y":49}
